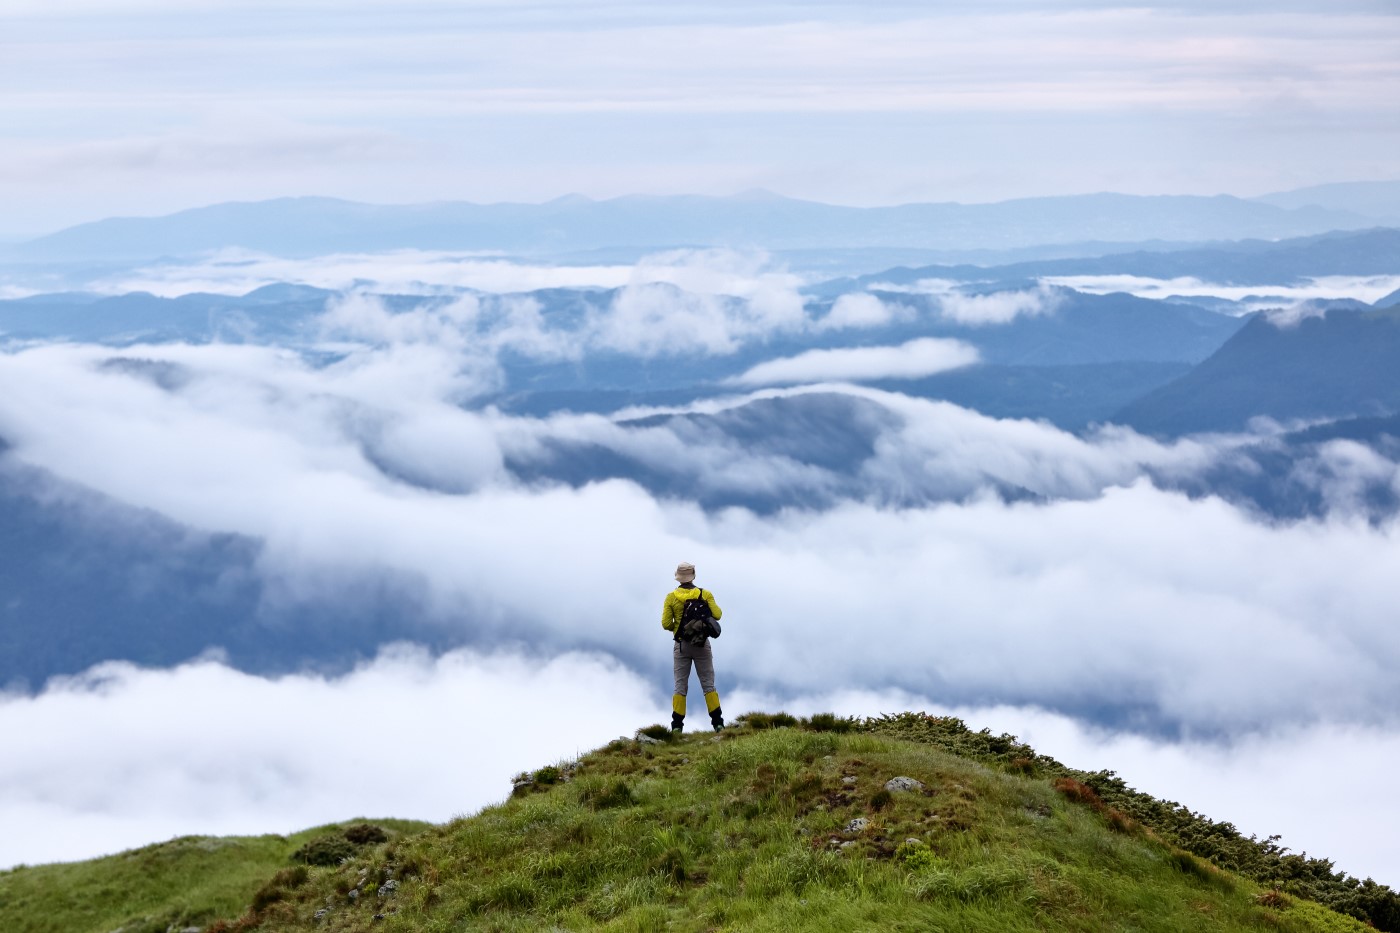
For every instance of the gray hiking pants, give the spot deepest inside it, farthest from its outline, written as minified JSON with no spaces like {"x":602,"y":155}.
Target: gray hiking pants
{"x":686,"y":654}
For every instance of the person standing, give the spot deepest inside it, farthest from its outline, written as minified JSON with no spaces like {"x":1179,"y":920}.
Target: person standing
{"x":686,"y":652}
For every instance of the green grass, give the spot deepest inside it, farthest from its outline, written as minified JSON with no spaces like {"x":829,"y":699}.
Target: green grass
{"x":191,"y":881}
{"x":748,"y":830}
{"x":1221,"y":844}
{"x":751,"y":831}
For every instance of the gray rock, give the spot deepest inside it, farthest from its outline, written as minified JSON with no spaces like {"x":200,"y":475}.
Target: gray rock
{"x":857,"y":825}
{"x":848,"y":780}
{"x":388,"y":887}
{"x":321,"y":914}
{"x":648,"y":740}
{"x":847,"y":845}
{"x":896,"y":784}
{"x":354,"y":894}
{"x":914,"y":842}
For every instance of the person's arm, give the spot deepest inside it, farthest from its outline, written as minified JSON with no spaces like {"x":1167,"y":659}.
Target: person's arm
{"x":668,"y":614}
{"x":710,"y":601}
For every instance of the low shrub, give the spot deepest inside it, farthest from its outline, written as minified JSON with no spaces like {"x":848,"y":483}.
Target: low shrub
{"x":278,"y":888}
{"x":326,"y":851}
{"x":1022,"y":765}
{"x":1079,"y":792}
{"x":366,"y":834}
{"x":916,"y":856}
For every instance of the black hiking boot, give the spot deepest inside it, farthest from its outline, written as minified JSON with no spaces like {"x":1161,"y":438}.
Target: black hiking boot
{"x":717,"y":720}
{"x":677,"y":723}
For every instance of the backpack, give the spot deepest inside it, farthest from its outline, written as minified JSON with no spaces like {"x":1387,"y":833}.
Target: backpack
{"x":696,"y":623}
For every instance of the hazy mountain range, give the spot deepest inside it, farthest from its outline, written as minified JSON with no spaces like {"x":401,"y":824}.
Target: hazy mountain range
{"x":313,"y":225}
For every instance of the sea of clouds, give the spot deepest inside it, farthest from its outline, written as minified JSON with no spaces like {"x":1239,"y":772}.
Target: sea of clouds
{"x":1207,"y":654}
{"x":121,"y":756}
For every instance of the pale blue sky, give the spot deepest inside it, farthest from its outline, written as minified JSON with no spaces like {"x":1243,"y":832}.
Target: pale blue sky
{"x":147,"y":106}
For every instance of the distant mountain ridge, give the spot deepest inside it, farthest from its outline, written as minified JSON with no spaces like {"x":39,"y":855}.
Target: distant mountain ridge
{"x":317,"y":225}
{"x":1379,"y":199}
{"x":1342,"y":364}
{"x":1248,"y":262}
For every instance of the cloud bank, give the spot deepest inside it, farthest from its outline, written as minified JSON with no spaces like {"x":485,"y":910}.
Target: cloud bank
{"x":122,"y":756}
{"x":744,"y":274}
{"x":1094,"y":596}
{"x":1367,"y":288}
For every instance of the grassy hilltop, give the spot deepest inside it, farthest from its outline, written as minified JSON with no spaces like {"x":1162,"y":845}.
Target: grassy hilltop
{"x":778,"y":825}
{"x":182,"y":884}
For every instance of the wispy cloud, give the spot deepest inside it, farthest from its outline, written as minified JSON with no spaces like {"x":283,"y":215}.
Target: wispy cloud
{"x":856,"y":310}
{"x":913,"y":360}
{"x":977,"y":305}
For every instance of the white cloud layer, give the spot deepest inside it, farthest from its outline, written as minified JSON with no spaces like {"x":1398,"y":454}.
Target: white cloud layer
{"x":912,"y":360}
{"x":1367,"y":288}
{"x":749,"y":275}
{"x":1124,"y":603}
{"x":1110,"y":601}
{"x":407,"y":272}
{"x":121,"y":756}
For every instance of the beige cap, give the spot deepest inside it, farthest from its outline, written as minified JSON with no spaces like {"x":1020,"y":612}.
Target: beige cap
{"x":685,"y":572}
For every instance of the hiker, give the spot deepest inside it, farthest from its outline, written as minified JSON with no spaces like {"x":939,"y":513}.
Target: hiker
{"x":692,"y":629}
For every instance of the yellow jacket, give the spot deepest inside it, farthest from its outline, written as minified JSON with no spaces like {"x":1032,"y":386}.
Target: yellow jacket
{"x":675,"y":603}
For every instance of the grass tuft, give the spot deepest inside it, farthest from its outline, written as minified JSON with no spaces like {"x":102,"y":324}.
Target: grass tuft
{"x":657,"y":731}
{"x":606,"y":795}
{"x":830,"y":722}
{"x":767,"y":720}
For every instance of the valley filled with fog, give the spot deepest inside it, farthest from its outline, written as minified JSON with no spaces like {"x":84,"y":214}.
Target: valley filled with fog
{"x":293,"y":537}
